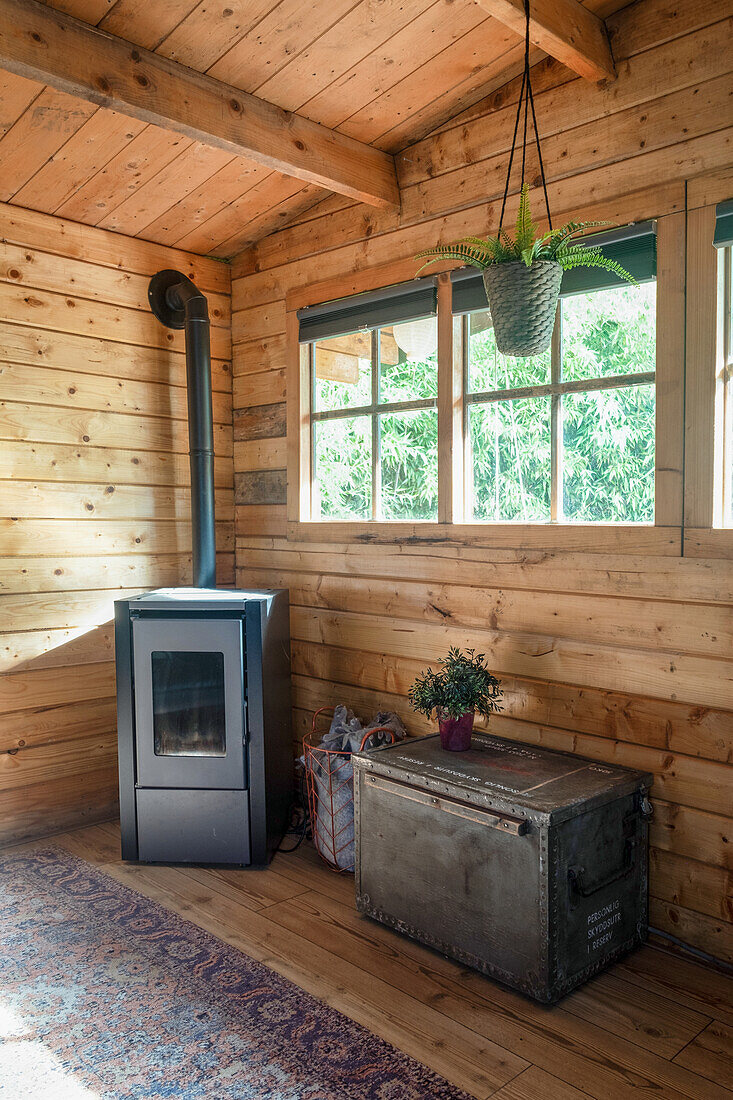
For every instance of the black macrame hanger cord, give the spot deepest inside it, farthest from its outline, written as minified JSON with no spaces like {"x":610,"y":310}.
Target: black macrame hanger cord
{"x":526,"y":100}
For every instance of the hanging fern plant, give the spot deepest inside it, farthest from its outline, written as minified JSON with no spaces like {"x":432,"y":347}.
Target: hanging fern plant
{"x":522,"y":273}
{"x":526,"y":246}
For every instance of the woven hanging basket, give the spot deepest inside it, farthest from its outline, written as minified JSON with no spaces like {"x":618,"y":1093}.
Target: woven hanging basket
{"x":523,"y":301}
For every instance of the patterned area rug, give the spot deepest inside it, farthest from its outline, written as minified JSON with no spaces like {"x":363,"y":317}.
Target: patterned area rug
{"x":104,"y":994}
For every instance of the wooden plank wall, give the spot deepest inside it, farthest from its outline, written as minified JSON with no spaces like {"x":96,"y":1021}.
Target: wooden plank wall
{"x":94,"y":497}
{"x":623,"y":657}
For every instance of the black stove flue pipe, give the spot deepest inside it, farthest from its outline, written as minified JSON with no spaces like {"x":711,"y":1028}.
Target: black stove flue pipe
{"x":178,"y":303}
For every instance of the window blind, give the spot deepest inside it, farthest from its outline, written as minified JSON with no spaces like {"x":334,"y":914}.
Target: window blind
{"x":723,"y":224}
{"x":378,"y":308}
{"x":469,"y":295}
{"x":633,"y":246}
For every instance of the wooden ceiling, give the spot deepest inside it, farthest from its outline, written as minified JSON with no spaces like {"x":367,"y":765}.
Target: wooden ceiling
{"x":383,"y":72}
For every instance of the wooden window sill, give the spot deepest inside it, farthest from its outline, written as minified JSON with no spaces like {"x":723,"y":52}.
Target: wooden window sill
{"x":590,"y":538}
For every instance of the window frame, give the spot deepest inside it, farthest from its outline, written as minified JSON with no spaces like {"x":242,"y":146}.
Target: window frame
{"x":663,"y":537}
{"x":723,"y":509}
{"x":706,"y":391}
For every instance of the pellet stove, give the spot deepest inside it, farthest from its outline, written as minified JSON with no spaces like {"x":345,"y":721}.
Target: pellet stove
{"x":203,"y":675}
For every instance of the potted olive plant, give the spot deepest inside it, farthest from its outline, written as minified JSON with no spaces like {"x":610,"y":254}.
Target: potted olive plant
{"x":463,"y":687}
{"x":522,"y":275}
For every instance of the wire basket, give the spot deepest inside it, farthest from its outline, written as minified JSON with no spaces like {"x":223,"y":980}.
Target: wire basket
{"x":329,"y":776}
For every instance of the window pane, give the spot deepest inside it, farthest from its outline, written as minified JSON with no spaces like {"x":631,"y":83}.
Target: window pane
{"x":409,"y":465}
{"x":488,"y":370}
{"x":608,"y":455}
{"x":481,"y":352}
{"x":510,"y":449}
{"x":609,"y":332}
{"x":343,"y":468}
{"x":343,"y":368}
{"x":408,"y":363}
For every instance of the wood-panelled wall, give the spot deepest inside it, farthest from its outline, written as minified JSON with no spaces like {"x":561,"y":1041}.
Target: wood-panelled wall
{"x":94,"y":494}
{"x":622,"y":656}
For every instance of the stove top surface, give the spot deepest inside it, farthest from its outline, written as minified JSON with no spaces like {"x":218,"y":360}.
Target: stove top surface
{"x":179,"y":595}
{"x":190,"y":599}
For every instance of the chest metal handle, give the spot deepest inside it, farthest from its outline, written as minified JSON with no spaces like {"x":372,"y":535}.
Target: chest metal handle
{"x":517,"y":826}
{"x":576,"y":875}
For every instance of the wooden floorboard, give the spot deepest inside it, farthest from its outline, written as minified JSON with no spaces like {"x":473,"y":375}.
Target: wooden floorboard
{"x":711,"y":1053}
{"x":655,"y":1025}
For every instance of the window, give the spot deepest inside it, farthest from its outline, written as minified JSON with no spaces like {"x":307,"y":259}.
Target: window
{"x":567,"y":436}
{"x":374,"y":414}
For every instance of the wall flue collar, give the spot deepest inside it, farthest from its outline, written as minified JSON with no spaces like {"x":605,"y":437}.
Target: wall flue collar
{"x":174,"y":299}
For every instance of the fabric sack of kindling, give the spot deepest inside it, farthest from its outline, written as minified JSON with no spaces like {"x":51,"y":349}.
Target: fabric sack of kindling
{"x":333,"y":778}
{"x":347,"y":732}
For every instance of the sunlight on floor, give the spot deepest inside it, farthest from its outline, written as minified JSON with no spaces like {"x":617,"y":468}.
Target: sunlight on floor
{"x":29,"y":1071}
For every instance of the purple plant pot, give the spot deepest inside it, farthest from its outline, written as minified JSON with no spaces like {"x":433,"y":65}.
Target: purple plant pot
{"x":455,"y":733}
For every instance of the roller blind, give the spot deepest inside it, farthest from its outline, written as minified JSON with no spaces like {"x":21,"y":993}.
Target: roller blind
{"x":389,"y":306}
{"x":633,"y":246}
{"x":723,"y":224}
{"x":469,"y":295}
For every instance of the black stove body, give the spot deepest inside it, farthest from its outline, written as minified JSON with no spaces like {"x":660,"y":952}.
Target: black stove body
{"x":203,"y":721}
{"x":203,"y":674}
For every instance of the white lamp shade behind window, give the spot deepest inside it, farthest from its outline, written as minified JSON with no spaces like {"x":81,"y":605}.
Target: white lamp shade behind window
{"x":418,"y":339}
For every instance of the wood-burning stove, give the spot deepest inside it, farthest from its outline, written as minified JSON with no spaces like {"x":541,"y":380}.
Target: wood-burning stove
{"x":203,"y":701}
{"x":203,"y":674}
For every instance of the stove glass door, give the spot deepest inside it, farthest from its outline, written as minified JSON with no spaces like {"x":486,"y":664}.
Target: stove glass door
{"x":189,"y":703}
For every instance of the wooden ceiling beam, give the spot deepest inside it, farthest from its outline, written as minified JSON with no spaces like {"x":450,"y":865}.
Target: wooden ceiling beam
{"x":562,"y":28}
{"x":46,"y":45}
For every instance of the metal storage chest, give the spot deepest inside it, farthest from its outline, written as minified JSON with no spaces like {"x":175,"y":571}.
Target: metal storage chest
{"x":527,"y":864}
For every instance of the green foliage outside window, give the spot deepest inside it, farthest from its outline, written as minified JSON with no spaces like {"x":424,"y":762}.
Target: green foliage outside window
{"x":510,"y":446}
{"x":609,"y":332}
{"x":343,"y":468}
{"x":608,"y":456}
{"x":409,"y":465}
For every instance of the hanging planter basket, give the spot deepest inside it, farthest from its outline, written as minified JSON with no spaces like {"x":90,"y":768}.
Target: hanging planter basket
{"x":523,"y":301}
{"x":522,"y":272}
